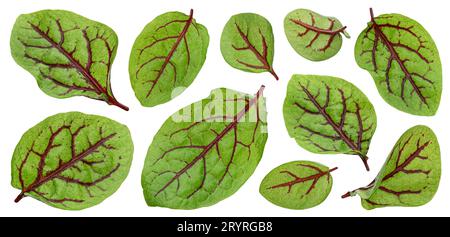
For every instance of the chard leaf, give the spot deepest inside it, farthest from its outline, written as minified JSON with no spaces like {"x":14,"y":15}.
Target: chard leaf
{"x":205,"y":152}
{"x":297,"y":185}
{"x":166,"y":57}
{"x":313,"y":36}
{"x":72,"y":160}
{"x":404,"y":62}
{"x":69,"y":55}
{"x":247,"y":43}
{"x":410,"y":176}
{"x":329,"y":115}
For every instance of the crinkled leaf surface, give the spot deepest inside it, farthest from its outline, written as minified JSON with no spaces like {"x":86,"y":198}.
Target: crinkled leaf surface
{"x":329,"y":115}
{"x":247,"y":43}
{"x":72,"y":160}
{"x":205,"y":152}
{"x":69,"y":55}
{"x":313,"y":36}
{"x":404,"y":62}
{"x":411,"y":174}
{"x":297,"y":185}
{"x":166,"y":57}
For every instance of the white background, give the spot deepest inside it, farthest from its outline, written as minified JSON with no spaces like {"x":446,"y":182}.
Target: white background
{"x":23,"y":104}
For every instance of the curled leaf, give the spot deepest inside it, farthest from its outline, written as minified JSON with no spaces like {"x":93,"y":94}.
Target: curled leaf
{"x":69,"y":55}
{"x":72,"y":160}
{"x":404,"y":62}
{"x":313,"y":36}
{"x":329,"y":115}
{"x":297,"y":185}
{"x":410,"y":176}
{"x":247,"y":43}
{"x":205,"y":152}
{"x":166,"y":57}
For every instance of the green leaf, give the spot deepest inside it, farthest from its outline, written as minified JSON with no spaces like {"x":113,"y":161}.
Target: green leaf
{"x":404,"y":62}
{"x":205,"y":152}
{"x":72,"y":160}
{"x":297,"y":185}
{"x":166,"y":57}
{"x":313,"y":36}
{"x":69,"y":55}
{"x":410,"y":176}
{"x":329,"y":115}
{"x":247,"y":43}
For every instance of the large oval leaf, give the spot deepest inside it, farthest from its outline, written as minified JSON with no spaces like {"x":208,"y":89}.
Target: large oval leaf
{"x":206,"y":151}
{"x":69,"y":55}
{"x":329,"y":115}
{"x":72,"y":160}
{"x":404,"y":62}
{"x":297,"y":185}
{"x":247,"y":43}
{"x":166,"y":57}
{"x":410,"y":176}
{"x":313,"y":36}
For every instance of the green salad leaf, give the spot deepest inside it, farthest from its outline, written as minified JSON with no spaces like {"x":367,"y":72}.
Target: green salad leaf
{"x":69,"y":55}
{"x":166,"y":57}
{"x":72,"y":160}
{"x":205,"y":152}
{"x":313,"y":36}
{"x":410,"y":177}
{"x":297,"y":185}
{"x":247,"y":43}
{"x":329,"y":115}
{"x":404,"y":62}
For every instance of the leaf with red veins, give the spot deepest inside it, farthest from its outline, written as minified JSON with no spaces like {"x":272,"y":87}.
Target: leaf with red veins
{"x":247,"y":43}
{"x":404,"y":62}
{"x":313,"y":36}
{"x":166,"y":57}
{"x":410,"y":176}
{"x":72,"y":160}
{"x":297,"y":185}
{"x":206,"y":151}
{"x":69,"y":55}
{"x":329,"y":115}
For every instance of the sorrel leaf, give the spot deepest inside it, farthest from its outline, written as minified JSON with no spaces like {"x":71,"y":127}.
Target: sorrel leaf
{"x":329,"y":115}
{"x":297,"y":185}
{"x":69,"y":55}
{"x":410,"y":176}
{"x":72,"y":160}
{"x":247,"y":43}
{"x":166,"y":57}
{"x":313,"y":36}
{"x":205,"y":152}
{"x":404,"y":62}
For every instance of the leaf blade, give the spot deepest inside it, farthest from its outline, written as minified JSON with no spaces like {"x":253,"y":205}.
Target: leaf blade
{"x":329,"y":115}
{"x":308,"y":184}
{"x":72,"y":160}
{"x":199,"y":161}
{"x":313,"y":36}
{"x":410,"y":175}
{"x":407,"y":70}
{"x":247,"y":43}
{"x":63,"y":51}
{"x":166,"y":57}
